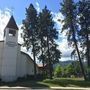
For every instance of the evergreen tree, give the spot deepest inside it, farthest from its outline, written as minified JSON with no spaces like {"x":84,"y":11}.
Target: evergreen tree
{"x":55,"y":53}
{"x":84,"y":32}
{"x":70,"y":24}
{"x":41,"y":37}
{"x":48,"y":34}
{"x":30,"y":32}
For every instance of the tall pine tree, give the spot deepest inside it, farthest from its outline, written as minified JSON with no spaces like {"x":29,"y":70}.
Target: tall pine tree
{"x":42,"y":40}
{"x":70,"y":24}
{"x":48,"y":34}
{"x":84,"y":32}
{"x":30,"y":32}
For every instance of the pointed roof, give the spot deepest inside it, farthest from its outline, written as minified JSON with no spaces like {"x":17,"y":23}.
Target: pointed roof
{"x":12,"y":24}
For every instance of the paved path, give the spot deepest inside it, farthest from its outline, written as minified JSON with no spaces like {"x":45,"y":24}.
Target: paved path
{"x":22,"y":88}
{"x":38,"y":88}
{"x":70,"y":88}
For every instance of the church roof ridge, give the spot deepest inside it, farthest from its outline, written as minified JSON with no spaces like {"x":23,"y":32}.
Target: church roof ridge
{"x":12,"y":24}
{"x":29,"y":57}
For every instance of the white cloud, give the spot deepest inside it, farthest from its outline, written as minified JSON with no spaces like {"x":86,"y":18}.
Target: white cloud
{"x":57,"y":18}
{"x":62,"y":42}
{"x":4,"y":18}
{"x":20,"y":39}
{"x":37,"y":6}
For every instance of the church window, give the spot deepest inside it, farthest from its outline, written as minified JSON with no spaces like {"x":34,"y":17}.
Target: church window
{"x":12,"y":32}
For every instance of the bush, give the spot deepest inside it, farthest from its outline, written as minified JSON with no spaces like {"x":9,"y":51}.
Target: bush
{"x":58,"y":71}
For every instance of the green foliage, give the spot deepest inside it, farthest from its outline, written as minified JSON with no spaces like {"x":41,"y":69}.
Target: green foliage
{"x":39,"y":35}
{"x":30,"y":28}
{"x":58,"y":71}
{"x":67,"y":82}
{"x":84,"y":30}
{"x":30,"y":32}
{"x":71,"y":70}
{"x":69,"y":10}
{"x":47,"y":34}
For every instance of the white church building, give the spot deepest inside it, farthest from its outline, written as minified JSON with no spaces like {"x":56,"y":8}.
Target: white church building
{"x":13,"y":62}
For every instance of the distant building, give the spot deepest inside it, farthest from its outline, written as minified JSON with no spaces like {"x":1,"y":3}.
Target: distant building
{"x":13,"y":62}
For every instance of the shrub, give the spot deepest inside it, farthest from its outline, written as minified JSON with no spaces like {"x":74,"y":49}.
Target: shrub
{"x":58,"y":71}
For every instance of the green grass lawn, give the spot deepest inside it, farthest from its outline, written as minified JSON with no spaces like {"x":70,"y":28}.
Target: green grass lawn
{"x":47,"y":83}
{"x":70,"y":82}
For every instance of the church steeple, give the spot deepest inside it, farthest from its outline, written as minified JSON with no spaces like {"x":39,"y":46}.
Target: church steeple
{"x":11,"y":29}
{"x":10,"y":46}
{"x":12,"y":24}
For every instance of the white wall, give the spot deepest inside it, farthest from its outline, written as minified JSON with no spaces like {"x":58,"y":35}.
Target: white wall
{"x":8,"y":72}
{"x":25,"y":65}
{"x":18,"y":65}
{"x":21,"y":64}
{"x":30,"y":67}
{"x":1,"y":54}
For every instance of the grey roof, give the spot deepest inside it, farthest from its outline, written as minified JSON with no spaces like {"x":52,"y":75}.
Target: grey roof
{"x":12,"y":24}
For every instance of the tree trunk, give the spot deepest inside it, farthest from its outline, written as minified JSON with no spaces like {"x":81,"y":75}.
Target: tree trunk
{"x":34,"y":57}
{"x":80,"y":60}
{"x":88,"y":47}
{"x":88,"y":52}
{"x":34,"y":63}
{"x":75,"y":41}
{"x":42,"y":59}
{"x":49,"y":64}
{"x":81,"y":64}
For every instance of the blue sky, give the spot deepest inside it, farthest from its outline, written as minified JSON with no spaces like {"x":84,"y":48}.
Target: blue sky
{"x":18,"y":6}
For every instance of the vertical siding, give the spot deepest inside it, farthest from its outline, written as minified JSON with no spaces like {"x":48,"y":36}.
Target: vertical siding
{"x":1,"y":54}
{"x":29,"y":64}
{"x":24,"y":64}
{"x":8,"y":72}
{"x":30,"y":67}
{"x":18,"y":61}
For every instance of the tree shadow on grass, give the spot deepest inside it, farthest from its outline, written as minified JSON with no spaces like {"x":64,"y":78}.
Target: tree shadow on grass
{"x":69,"y":82}
{"x":33,"y":84}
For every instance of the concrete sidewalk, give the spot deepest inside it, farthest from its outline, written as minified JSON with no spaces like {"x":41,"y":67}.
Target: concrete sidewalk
{"x":38,"y":88}
{"x":22,"y":88}
{"x":70,"y":88}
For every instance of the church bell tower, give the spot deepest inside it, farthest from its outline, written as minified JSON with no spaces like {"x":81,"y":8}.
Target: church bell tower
{"x":8,"y":72}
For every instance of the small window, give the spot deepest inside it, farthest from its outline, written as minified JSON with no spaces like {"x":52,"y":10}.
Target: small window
{"x":12,"y":32}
